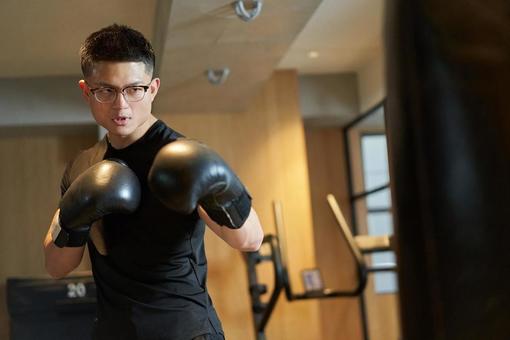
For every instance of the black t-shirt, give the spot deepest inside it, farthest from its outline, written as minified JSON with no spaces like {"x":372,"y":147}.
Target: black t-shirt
{"x":151,"y":281}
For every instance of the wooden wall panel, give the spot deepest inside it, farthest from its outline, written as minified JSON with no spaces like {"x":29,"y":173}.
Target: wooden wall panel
{"x":33,"y":160}
{"x":341,"y":318}
{"x":266,"y":147}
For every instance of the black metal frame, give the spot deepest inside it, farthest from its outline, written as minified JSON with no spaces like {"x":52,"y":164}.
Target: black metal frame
{"x":354,"y":196}
{"x":262,"y":310}
{"x":324,"y":293}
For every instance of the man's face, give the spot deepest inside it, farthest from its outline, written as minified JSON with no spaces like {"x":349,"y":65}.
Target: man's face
{"x":125,"y":121}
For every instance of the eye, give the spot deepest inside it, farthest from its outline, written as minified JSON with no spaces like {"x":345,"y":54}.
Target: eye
{"x":105,"y":91}
{"x":134,"y":90}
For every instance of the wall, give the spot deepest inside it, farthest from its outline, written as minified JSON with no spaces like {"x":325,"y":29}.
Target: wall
{"x":33,"y":160}
{"x":328,"y":99}
{"x":372,"y":82}
{"x":340,"y":317}
{"x":42,"y":101}
{"x":323,"y":105}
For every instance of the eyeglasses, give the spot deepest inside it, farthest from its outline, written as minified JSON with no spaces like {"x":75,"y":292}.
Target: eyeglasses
{"x":133,"y":93}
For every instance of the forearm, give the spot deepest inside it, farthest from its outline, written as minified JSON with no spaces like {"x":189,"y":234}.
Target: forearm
{"x":246,"y":238}
{"x":60,"y":261}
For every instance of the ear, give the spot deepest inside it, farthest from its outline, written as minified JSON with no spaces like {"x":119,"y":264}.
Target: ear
{"x":85,"y":91}
{"x":154,"y":87}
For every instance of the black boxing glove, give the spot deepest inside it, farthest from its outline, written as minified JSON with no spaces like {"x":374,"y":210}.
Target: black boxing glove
{"x":186,"y":173}
{"x":106,"y":187}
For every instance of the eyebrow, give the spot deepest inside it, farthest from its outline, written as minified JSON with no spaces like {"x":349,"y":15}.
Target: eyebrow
{"x":105,"y":84}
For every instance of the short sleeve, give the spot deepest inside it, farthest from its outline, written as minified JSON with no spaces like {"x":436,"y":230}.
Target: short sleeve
{"x":65,"y":182}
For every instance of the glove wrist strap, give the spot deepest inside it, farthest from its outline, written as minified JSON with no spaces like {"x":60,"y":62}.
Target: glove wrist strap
{"x":232,"y":215}
{"x":63,"y":237}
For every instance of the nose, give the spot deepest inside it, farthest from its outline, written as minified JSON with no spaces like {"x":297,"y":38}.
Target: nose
{"x":120,"y":101}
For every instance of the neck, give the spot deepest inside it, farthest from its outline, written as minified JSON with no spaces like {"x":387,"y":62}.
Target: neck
{"x":122,"y":141}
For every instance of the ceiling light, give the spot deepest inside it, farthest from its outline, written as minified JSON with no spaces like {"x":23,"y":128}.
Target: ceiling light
{"x":313,"y":54}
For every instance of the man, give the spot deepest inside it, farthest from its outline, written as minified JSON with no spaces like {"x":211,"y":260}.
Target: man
{"x":139,"y":199}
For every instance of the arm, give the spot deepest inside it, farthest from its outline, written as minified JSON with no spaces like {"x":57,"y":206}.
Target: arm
{"x":246,"y":238}
{"x":187,"y":174}
{"x":60,"y":261}
{"x":106,"y":187}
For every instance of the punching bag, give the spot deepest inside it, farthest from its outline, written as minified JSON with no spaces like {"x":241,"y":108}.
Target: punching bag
{"x":448,"y":126}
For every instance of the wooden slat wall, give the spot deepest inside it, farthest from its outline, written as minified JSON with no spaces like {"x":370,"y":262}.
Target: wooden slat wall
{"x":266,"y":147}
{"x":33,"y":160}
{"x":340,"y":317}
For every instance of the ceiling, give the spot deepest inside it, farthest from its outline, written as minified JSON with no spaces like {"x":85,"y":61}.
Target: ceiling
{"x":42,"y":39}
{"x":345,"y":33}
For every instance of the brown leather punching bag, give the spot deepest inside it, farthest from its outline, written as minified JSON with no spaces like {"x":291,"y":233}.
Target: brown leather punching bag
{"x":448,"y":125}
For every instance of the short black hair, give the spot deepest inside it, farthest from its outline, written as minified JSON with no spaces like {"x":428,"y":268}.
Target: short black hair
{"x":116,"y":43}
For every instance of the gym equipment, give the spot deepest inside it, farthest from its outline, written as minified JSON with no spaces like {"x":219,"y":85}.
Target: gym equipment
{"x":45,"y":309}
{"x":358,"y":246}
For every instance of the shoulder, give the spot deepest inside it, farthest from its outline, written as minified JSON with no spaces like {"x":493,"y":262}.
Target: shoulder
{"x":83,"y":160}
{"x":90,"y":156}
{"x":166,"y":134}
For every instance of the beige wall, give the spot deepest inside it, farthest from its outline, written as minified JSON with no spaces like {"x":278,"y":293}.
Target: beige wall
{"x":265,"y":145}
{"x":340,"y":317}
{"x":372,"y":82}
{"x":33,"y":160}
{"x":328,"y":99}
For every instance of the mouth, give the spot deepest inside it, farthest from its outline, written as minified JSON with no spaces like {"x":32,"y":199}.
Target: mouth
{"x":121,"y":120}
